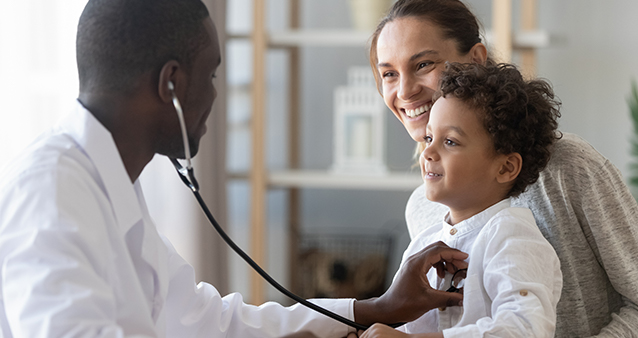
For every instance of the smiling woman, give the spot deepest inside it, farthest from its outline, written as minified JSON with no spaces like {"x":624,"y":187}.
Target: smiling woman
{"x":408,"y":76}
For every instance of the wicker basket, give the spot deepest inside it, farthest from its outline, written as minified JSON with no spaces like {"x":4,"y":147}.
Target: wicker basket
{"x":343,"y":265}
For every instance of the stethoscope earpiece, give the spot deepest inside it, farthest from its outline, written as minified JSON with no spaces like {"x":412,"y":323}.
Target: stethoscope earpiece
{"x":180,"y":116}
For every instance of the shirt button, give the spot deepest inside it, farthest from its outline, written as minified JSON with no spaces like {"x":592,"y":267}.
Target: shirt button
{"x":453,"y":231}
{"x":523,"y":293}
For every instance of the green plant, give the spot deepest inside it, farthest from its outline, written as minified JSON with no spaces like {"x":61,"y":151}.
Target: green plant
{"x":633,"y":109}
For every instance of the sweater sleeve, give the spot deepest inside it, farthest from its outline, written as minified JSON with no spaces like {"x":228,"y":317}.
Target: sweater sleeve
{"x":610,"y":222}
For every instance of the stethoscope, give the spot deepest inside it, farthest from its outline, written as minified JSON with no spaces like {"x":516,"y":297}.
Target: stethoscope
{"x":188,"y":177}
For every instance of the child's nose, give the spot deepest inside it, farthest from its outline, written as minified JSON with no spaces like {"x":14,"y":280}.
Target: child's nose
{"x":425,"y":157}
{"x":429,"y":153}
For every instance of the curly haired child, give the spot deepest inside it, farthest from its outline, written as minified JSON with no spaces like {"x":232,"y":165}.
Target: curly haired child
{"x":489,"y":135}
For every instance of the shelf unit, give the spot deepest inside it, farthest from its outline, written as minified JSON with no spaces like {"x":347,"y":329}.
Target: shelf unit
{"x":501,"y":39}
{"x":320,"y":179}
{"x":521,"y":40}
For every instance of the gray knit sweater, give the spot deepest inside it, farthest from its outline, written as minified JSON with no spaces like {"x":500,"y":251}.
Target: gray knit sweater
{"x":584,"y":209}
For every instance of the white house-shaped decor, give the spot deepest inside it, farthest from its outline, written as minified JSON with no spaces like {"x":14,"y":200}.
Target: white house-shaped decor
{"x":359,"y":126}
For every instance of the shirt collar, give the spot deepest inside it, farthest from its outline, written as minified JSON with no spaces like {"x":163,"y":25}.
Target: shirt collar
{"x":477,"y":221}
{"x":98,"y":144}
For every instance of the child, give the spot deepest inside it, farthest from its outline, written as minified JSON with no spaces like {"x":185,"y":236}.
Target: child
{"x":489,"y":135}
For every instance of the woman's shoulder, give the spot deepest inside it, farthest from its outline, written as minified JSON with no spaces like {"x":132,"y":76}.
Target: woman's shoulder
{"x":564,"y":188}
{"x":572,"y":151}
{"x":421,"y":213}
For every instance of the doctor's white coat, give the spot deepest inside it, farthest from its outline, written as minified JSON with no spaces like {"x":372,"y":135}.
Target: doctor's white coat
{"x":80,"y":255}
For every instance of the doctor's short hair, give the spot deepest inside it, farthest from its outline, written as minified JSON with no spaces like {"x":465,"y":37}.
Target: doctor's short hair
{"x":520,"y":116}
{"x":119,"y":40}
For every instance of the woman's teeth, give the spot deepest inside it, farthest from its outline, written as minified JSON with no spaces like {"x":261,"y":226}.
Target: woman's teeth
{"x":418,"y":111}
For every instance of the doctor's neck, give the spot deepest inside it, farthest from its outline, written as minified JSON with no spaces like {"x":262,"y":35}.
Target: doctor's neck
{"x":126,"y":117}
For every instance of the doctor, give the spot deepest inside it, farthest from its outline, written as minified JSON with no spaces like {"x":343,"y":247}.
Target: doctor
{"x":79,"y":253}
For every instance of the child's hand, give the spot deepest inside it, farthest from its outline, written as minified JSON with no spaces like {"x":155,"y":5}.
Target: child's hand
{"x":382,"y":331}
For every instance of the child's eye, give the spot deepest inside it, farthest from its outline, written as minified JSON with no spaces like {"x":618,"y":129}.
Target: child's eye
{"x":428,"y":139}
{"x":450,"y":142}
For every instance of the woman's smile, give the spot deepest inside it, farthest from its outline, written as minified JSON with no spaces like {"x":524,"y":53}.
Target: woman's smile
{"x":409,"y":66}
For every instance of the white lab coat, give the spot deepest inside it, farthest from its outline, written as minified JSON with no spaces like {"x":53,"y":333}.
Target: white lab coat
{"x":80,"y":255}
{"x":513,"y":279}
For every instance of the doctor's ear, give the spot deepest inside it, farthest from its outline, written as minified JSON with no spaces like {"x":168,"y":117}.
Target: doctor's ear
{"x":170,"y":78}
{"x":510,"y":168}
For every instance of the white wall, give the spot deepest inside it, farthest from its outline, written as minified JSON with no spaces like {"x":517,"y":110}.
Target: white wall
{"x":38,"y":76}
{"x":591,"y":64}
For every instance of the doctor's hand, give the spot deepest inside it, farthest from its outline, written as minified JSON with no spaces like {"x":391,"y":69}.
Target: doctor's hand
{"x":410,"y":295}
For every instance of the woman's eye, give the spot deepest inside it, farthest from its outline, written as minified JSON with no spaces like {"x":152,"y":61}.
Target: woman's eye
{"x":387,"y":74}
{"x":424,"y":64}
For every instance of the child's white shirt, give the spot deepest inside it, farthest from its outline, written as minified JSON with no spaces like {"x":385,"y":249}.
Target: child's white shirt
{"x":513,"y":279}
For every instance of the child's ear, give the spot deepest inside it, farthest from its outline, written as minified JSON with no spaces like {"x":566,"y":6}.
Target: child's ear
{"x":510,"y":168}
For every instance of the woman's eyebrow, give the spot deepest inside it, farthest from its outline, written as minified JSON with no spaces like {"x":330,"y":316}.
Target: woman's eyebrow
{"x":423,"y":53}
{"x":412,"y":58}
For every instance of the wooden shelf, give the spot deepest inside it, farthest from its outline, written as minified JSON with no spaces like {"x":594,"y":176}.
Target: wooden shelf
{"x":307,"y":38}
{"x":525,"y":39}
{"x":325,"y":180}
{"x":321,"y":179}
{"x":354,"y":38}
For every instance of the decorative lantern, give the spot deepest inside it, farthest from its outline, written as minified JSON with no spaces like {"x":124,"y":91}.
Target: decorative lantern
{"x":359,"y":121}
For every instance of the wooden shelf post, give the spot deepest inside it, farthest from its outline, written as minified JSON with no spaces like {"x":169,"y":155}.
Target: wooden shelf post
{"x":502,"y":29}
{"x":294,"y":125}
{"x":528,"y":23}
{"x":258,"y":179}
